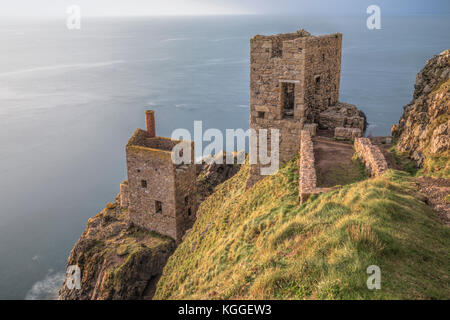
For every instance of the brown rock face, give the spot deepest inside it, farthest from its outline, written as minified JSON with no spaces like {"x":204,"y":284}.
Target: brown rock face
{"x":212,"y":174}
{"x":116,"y":259}
{"x":424,"y":129}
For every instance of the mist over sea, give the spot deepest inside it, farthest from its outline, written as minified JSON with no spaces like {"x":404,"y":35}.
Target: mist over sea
{"x":69,"y":101}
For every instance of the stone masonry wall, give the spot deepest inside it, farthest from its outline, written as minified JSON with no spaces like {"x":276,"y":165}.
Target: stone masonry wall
{"x":185,"y":196}
{"x":289,"y":143}
{"x":322,"y":73}
{"x":311,"y":63}
{"x":347,"y":133}
{"x":371,"y":156}
{"x":155,"y":168}
{"x":124,"y":194}
{"x":307,"y":172}
{"x":310,"y":67}
{"x":162,"y":195}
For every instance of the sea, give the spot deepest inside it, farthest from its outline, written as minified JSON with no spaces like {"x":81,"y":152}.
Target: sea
{"x":70,"y":99}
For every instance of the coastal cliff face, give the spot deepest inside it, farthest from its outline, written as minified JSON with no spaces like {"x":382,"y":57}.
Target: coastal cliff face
{"x":117,"y":260}
{"x":423,"y":132}
{"x":121,"y":261}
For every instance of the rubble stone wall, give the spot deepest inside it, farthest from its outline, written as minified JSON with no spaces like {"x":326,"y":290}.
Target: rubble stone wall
{"x":371,"y":156}
{"x":347,"y":133}
{"x":307,"y":171}
{"x":294,"y":67}
{"x":124,"y":194}
{"x":162,"y":196}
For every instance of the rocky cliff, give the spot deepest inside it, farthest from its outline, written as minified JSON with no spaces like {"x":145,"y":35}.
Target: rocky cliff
{"x":117,"y":260}
{"x":121,"y":261}
{"x":423,"y":132}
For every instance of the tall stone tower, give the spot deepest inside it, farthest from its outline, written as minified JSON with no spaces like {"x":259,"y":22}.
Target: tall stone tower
{"x":160,"y":195}
{"x":293,"y":78}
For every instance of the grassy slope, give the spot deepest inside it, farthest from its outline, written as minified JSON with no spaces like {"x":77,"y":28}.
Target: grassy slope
{"x":260,"y":243}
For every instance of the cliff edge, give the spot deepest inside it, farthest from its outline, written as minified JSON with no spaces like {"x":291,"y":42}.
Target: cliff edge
{"x":117,"y":260}
{"x":423,"y":132}
{"x":120,"y":261}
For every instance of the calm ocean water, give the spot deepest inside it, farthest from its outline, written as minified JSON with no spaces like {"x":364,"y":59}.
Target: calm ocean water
{"x":69,"y":100}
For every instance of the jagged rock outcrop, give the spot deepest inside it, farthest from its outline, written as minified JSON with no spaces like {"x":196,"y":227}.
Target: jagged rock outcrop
{"x":423,"y":132}
{"x":211,"y":174}
{"x":121,"y":261}
{"x":342,"y":115}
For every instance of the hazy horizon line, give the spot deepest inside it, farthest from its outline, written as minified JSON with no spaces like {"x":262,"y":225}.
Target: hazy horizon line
{"x":64,"y":15}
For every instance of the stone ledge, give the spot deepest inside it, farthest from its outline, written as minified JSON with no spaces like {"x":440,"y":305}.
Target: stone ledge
{"x":347,"y":133}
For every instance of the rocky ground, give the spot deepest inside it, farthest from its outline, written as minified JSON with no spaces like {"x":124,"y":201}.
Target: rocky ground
{"x":212,"y":174}
{"x":437,"y":193}
{"x":117,"y":260}
{"x":423,"y":132}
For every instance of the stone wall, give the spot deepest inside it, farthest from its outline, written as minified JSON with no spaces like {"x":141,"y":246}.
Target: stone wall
{"x":311,"y":127}
{"x":307,"y":172}
{"x":311,"y":64}
{"x":124,"y":194}
{"x":289,"y":143}
{"x":371,"y":156}
{"x":292,"y":78}
{"x":151,"y":179}
{"x":162,"y":195}
{"x":347,"y":133}
{"x":322,"y":73}
{"x":185,"y":197}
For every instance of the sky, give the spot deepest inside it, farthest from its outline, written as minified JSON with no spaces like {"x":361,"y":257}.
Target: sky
{"x":54,"y":8}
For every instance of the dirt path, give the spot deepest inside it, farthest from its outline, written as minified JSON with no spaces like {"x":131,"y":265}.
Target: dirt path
{"x":334,"y":163}
{"x":436,"y":190}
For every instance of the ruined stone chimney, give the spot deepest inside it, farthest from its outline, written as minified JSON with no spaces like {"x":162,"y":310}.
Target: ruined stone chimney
{"x":150,"y":123}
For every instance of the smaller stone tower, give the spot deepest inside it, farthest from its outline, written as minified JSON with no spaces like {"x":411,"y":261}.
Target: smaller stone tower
{"x":160,"y":195}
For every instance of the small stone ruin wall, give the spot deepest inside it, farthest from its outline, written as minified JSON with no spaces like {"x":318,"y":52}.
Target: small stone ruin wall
{"x":124,"y":194}
{"x":371,"y":156}
{"x":307,"y":178}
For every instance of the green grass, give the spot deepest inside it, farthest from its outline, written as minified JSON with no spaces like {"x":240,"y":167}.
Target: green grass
{"x":402,"y":160}
{"x":261,"y":244}
{"x":447,"y":198}
{"x":437,"y":166}
{"x":342,"y":173}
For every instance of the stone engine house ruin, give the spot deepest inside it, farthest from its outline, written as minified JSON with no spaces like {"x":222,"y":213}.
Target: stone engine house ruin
{"x":160,"y":195}
{"x":294,"y":85}
{"x":294,"y":88}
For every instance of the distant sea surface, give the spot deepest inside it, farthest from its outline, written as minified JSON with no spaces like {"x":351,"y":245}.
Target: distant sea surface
{"x":69,"y":101}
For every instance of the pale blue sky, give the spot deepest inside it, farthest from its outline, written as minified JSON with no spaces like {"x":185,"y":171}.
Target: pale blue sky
{"x":203,"y":7}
